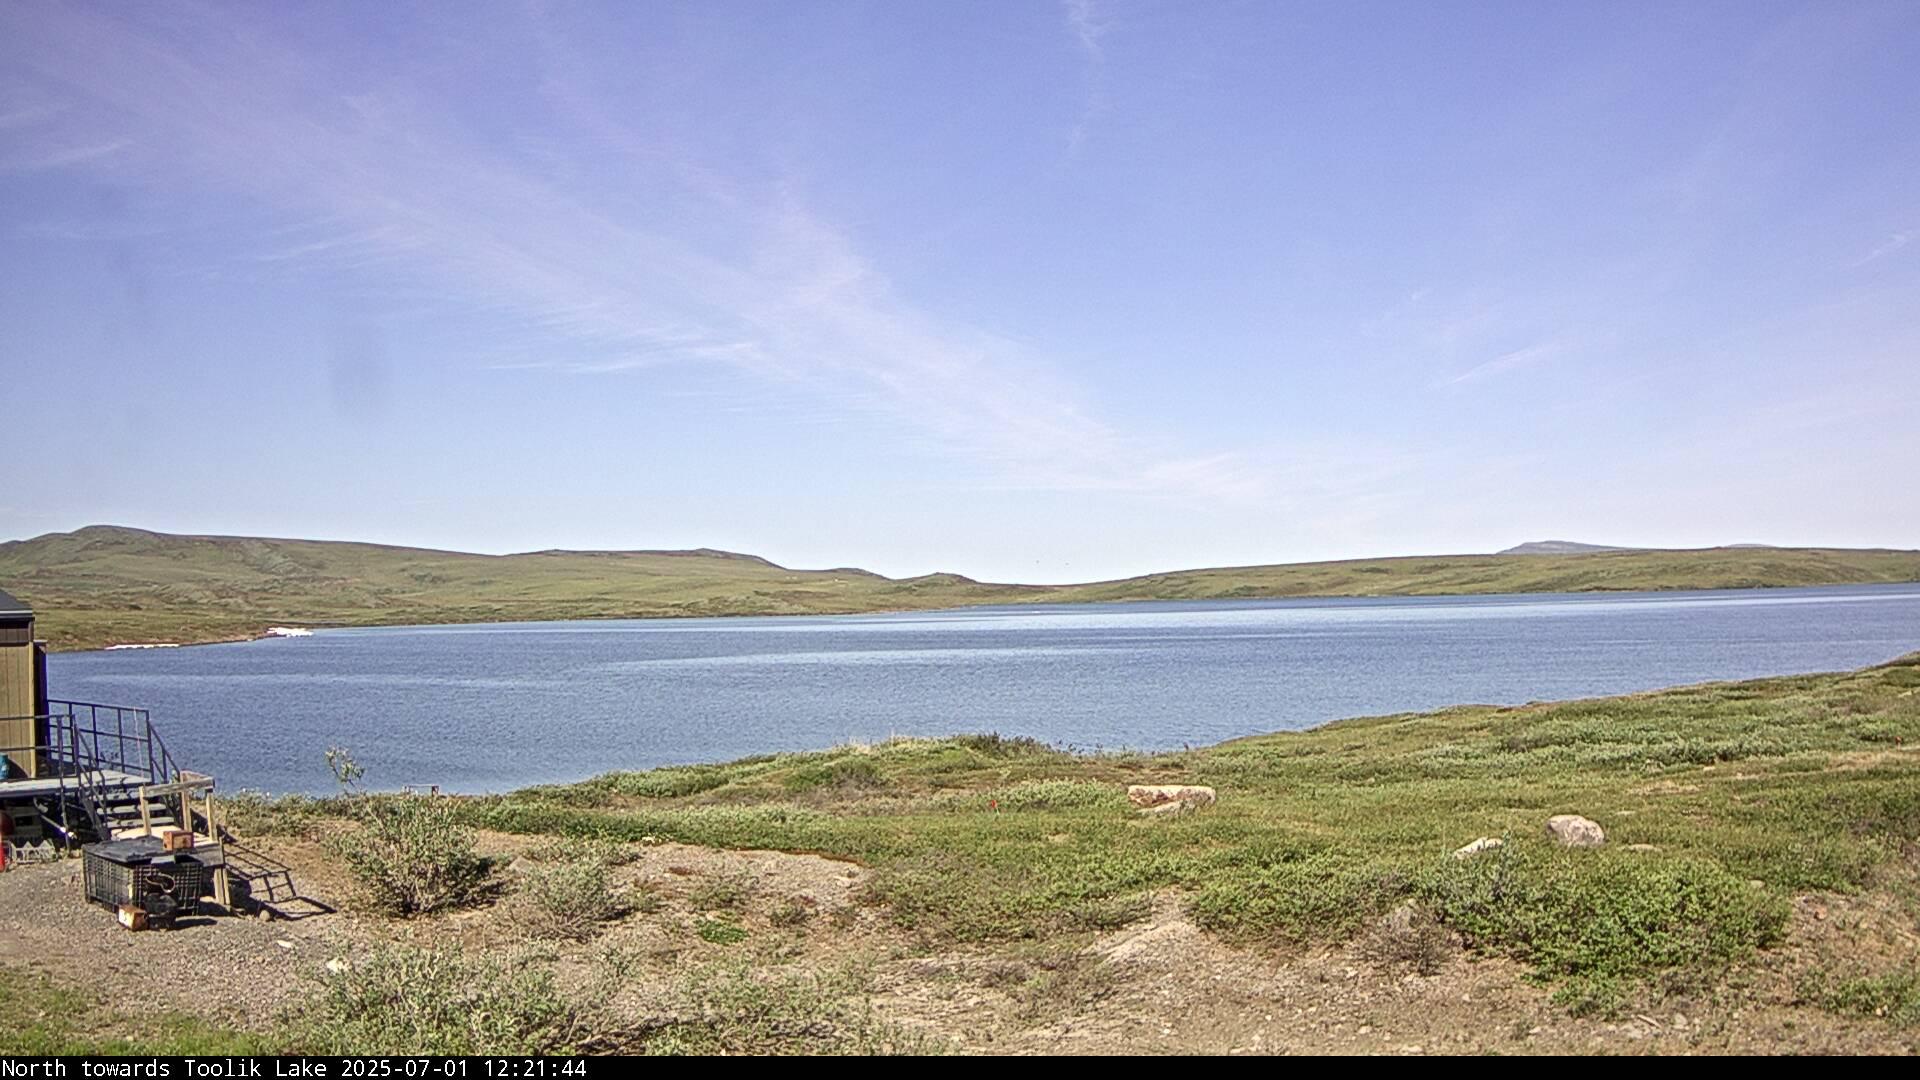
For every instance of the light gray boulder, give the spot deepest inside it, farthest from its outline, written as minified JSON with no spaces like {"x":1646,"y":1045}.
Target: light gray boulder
{"x":1572,"y":830}
{"x":1169,"y":798}
{"x":1485,"y":843}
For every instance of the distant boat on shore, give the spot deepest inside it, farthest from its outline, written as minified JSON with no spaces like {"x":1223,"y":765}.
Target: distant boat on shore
{"x":288,"y":631}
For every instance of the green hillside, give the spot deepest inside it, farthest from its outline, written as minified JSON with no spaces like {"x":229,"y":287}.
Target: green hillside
{"x":105,"y":584}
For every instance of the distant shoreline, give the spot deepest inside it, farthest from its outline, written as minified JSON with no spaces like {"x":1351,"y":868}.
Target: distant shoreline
{"x":107,"y":585}
{"x":241,"y":639}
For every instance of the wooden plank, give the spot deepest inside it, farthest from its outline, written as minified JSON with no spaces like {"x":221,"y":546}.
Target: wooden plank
{"x":178,"y":787}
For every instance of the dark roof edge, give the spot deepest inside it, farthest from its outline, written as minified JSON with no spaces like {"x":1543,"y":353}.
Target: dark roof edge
{"x":11,"y":606}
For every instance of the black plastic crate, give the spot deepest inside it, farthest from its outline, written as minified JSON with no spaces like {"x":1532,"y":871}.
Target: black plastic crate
{"x":141,"y":873}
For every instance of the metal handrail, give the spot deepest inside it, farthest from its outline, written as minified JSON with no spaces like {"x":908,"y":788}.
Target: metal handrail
{"x":86,"y":739}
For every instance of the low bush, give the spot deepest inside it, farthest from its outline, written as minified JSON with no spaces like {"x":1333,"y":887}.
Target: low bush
{"x":1312,"y":898}
{"x":412,"y":856}
{"x":1602,"y":922}
{"x":1894,"y":996}
{"x":576,"y":848}
{"x":569,"y":900}
{"x":996,"y":745}
{"x":853,"y":773}
{"x":728,"y":893}
{"x":731,"y":1010}
{"x":1410,"y":938}
{"x":416,"y":1001}
{"x":1053,"y":795}
{"x":793,"y":911}
{"x":719,"y":931}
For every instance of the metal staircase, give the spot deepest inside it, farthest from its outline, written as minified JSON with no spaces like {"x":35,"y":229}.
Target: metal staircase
{"x":110,"y":776}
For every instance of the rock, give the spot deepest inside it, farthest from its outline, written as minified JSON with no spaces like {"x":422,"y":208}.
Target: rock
{"x":337,"y":966}
{"x":283,"y":943}
{"x":1401,"y":919}
{"x":1485,"y":843}
{"x":1169,"y":798}
{"x":1572,"y":830}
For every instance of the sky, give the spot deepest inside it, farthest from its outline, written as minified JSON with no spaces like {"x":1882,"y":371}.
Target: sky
{"x":1030,"y":291}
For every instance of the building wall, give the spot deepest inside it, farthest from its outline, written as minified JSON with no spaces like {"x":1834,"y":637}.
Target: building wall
{"x":20,"y":698}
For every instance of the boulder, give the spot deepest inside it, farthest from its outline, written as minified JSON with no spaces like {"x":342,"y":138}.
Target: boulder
{"x":1401,"y":919}
{"x":1485,"y":843}
{"x":1169,"y":798}
{"x":1572,"y":830}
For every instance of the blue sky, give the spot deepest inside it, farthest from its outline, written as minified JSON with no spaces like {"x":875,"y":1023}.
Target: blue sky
{"x":1029,"y":291}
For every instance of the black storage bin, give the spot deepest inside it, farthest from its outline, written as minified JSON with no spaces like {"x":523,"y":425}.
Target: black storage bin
{"x":141,"y":873}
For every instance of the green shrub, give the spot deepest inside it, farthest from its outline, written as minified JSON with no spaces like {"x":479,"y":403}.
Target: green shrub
{"x":995,"y":745}
{"x":412,"y":855}
{"x":408,"y":1000}
{"x":672,"y":782}
{"x":1054,"y":795}
{"x":728,"y":893}
{"x":732,"y":1011}
{"x":608,"y":853}
{"x":1314,"y":897}
{"x":791,"y":912}
{"x":1410,"y":938}
{"x":855,"y":773}
{"x":1894,"y":996}
{"x":569,"y":900}
{"x":1605,"y":921}
{"x":716,"y":931}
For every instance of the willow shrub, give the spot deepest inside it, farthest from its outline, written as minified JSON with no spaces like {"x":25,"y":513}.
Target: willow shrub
{"x":412,"y":855}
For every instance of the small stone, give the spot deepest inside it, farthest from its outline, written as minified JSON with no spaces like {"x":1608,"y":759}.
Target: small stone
{"x":1642,"y":847}
{"x":1572,"y":830}
{"x":1485,"y":843}
{"x":1399,"y":920}
{"x":337,"y":966}
{"x":283,"y":943}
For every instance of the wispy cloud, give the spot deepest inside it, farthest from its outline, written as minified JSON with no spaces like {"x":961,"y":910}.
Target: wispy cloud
{"x":1089,"y":27}
{"x":1084,"y":18}
{"x":1892,"y":244}
{"x":31,"y":158}
{"x":781,"y":293}
{"x":1507,"y":362}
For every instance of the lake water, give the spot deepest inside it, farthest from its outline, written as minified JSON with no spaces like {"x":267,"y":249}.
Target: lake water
{"x":490,"y":708}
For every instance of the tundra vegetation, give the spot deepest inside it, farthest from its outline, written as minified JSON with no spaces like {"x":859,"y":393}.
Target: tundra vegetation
{"x":1725,"y":806}
{"x":106,"y":585}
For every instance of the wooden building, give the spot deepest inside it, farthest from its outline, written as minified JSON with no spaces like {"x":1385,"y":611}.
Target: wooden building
{"x":23,"y":692}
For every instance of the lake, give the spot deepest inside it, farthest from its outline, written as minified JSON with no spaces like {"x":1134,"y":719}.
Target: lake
{"x":494,"y":707}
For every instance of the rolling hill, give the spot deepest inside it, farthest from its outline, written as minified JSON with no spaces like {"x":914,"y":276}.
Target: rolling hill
{"x":108,"y":584}
{"x":1559,"y":547}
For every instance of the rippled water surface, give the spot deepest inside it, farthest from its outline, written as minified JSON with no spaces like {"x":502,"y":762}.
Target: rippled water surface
{"x":478,"y":708}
